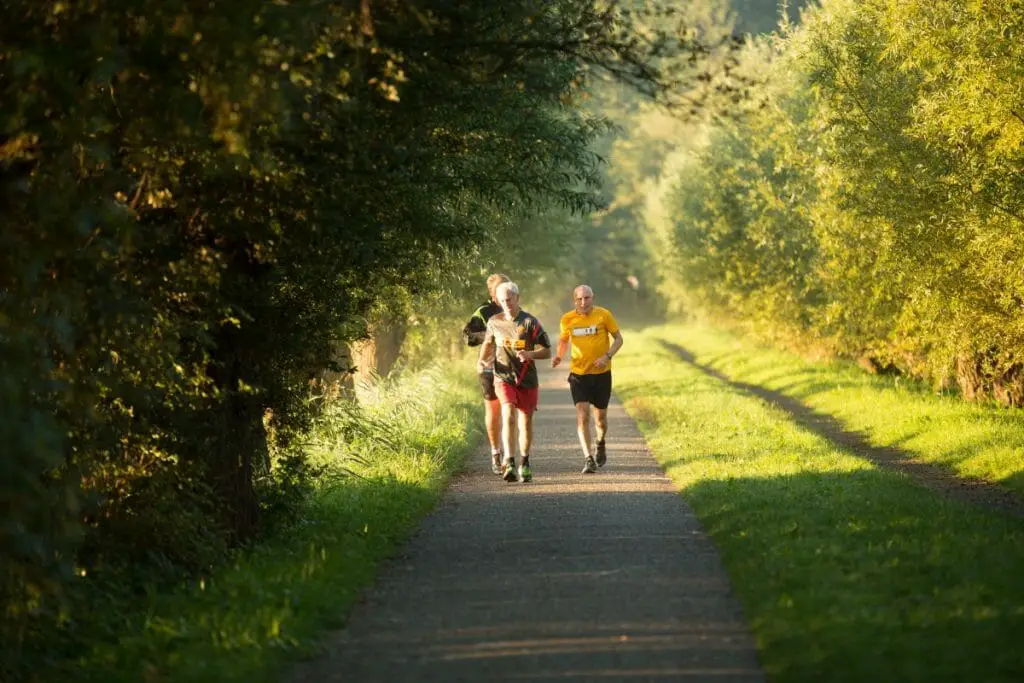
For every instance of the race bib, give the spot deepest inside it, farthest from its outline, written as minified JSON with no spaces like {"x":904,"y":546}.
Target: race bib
{"x":584,"y":331}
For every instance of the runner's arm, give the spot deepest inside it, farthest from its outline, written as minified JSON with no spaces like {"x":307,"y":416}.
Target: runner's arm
{"x":563,"y":348}
{"x":612,"y":350}
{"x":486,"y":351}
{"x":616,"y":344}
{"x":539,"y":353}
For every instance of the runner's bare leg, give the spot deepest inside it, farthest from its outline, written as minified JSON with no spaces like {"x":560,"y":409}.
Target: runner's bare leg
{"x":583,"y":426}
{"x":601,"y":420}
{"x":508,"y":431}
{"x":492,"y":420}
{"x":525,"y":433}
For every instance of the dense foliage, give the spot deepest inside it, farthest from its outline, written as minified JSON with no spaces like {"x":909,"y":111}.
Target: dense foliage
{"x":871,"y":198}
{"x":651,"y":140}
{"x":202,"y":201}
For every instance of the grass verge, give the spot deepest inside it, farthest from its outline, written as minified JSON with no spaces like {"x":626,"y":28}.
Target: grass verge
{"x":247,"y":621}
{"x":846,"y":572}
{"x":974,"y":440}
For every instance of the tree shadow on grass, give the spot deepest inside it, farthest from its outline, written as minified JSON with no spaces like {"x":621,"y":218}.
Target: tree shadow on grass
{"x":934,"y":477}
{"x":245,"y":621}
{"x":859,"y":577}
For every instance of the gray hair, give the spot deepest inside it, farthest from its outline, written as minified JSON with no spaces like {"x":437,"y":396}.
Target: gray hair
{"x":510,"y":287}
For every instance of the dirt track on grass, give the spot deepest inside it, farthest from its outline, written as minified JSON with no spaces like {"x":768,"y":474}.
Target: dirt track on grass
{"x":938,"y":479}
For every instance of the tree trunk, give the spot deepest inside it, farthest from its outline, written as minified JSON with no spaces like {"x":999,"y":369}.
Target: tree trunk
{"x":378,"y":354}
{"x":979,"y":379}
{"x":240,"y":441}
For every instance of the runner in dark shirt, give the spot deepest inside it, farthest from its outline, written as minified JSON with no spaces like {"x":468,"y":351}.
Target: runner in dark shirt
{"x":474,"y":333}
{"x":517,"y":341}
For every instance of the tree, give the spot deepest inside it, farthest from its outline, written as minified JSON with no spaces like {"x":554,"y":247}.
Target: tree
{"x":201,"y":202}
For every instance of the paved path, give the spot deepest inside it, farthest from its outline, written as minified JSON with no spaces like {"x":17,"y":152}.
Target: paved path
{"x":604,"y":577}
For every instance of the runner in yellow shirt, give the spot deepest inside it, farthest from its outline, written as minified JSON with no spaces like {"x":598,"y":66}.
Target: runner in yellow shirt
{"x":587,"y":329}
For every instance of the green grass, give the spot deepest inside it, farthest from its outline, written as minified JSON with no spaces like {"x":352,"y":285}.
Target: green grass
{"x":974,"y":440}
{"x":246,"y":622}
{"x":846,"y":572}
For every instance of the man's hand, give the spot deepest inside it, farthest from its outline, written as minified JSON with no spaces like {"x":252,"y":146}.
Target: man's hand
{"x":556,"y":361}
{"x":524,"y":356}
{"x":602,"y":361}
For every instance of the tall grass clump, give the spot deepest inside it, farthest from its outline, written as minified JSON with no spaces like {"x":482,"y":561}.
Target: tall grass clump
{"x":381,"y":463}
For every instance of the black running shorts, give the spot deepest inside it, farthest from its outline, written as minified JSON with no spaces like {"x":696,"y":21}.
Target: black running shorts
{"x":487,"y":385}
{"x":593,"y":389}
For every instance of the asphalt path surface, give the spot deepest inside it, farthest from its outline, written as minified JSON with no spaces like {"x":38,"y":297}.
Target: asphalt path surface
{"x":571,"y":577}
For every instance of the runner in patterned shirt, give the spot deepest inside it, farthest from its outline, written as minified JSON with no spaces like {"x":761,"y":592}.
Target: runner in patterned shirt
{"x":588,"y":328}
{"x":517,"y":341}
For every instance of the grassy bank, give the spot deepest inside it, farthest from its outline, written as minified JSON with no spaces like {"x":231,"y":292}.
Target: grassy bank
{"x":246,"y":622}
{"x":846,"y":572}
{"x":973,"y":440}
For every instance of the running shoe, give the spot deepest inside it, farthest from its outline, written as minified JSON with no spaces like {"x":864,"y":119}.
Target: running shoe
{"x":602,"y":456}
{"x":496,"y":464}
{"x":525,"y":473}
{"x":510,"y":472}
{"x":590,"y":466}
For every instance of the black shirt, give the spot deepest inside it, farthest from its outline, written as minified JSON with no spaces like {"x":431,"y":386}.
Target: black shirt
{"x":474,"y":331}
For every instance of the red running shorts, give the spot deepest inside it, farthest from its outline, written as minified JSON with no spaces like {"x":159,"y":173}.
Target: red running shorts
{"x":524,"y":399}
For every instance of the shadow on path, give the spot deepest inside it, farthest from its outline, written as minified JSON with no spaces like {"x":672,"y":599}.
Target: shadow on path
{"x":934,"y":477}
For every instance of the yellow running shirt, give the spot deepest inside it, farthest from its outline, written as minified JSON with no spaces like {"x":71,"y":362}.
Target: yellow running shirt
{"x":589,"y":336}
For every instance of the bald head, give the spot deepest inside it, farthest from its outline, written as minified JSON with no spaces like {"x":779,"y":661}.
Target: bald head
{"x":583,"y":299}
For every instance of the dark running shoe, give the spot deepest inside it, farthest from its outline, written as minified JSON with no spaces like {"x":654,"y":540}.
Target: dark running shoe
{"x":510,"y":472}
{"x":525,"y":473}
{"x":602,"y":455}
{"x":496,"y":464}
{"x":589,"y":467}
